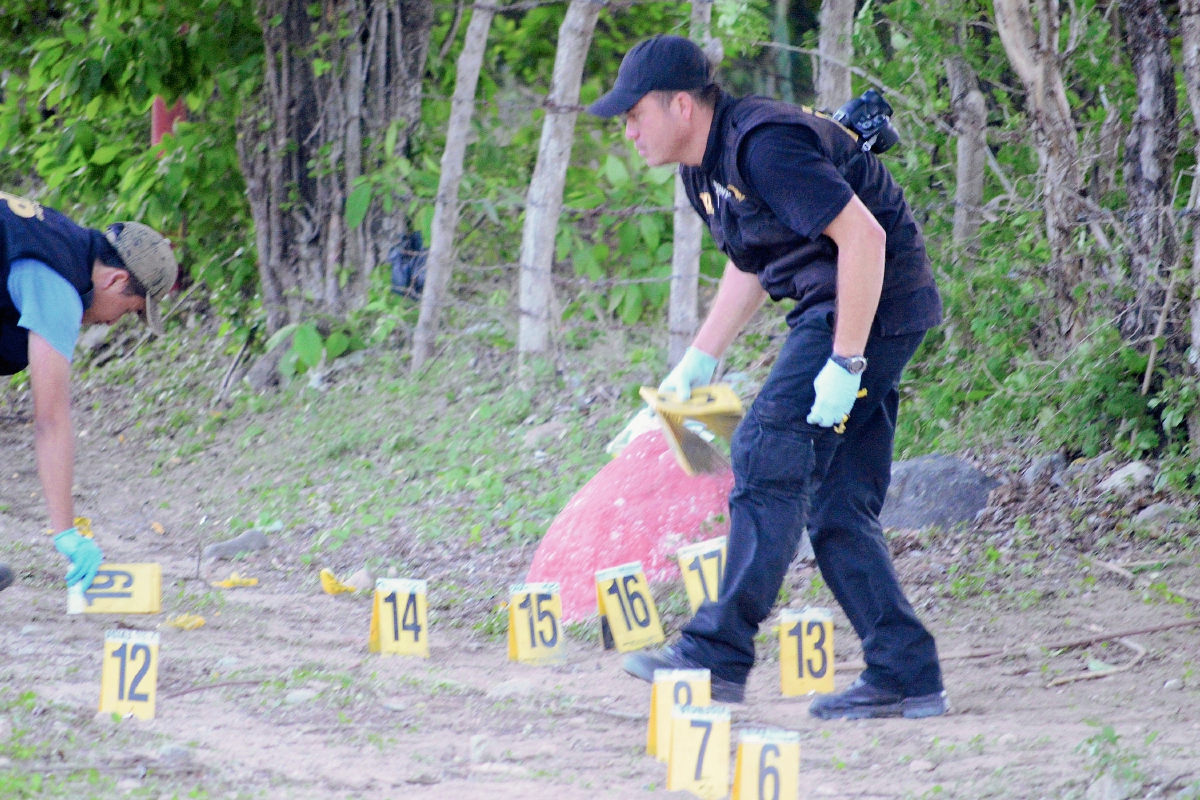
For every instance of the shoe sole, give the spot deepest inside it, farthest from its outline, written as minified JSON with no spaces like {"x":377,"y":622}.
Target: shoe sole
{"x":908,"y":708}
{"x":722,"y":691}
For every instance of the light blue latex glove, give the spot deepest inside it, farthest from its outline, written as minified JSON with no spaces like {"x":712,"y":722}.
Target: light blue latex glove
{"x":85,"y":557}
{"x":696,"y":368}
{"x":837,"y":390}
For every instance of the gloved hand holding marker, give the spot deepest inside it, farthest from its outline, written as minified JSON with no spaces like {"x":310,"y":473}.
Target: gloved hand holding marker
{"x":836,"y":390}
{"x":85,"y":556}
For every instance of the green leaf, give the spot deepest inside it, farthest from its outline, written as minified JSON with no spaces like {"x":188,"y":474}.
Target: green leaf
{"x":357,"y":204}
{"x":616,"y":171}
{"x":337,"y":343}
{"x":306,"y":344}
{"x":106,"y":154}
{"x":279,"y":336}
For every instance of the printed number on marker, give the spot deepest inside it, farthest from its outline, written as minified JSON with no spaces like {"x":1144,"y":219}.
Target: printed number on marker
{"x":630,"y":600}
{"x":696,"y":566}
{"x":543,"y":616}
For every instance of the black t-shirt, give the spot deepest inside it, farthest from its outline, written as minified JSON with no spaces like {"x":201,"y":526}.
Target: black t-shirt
{"x":774,"y":177}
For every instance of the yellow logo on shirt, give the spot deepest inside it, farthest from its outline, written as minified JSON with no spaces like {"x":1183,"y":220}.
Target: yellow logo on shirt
{"x":22,"y":207}
{"x":706,"y":199}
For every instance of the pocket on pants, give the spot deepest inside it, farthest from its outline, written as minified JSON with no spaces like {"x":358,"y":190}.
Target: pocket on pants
{"x":767,"y":457}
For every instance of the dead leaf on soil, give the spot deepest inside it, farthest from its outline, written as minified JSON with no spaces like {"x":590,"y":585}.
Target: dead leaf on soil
{"x":331,"y":584}
{"x":158,"y":528}
{"x":186,"y":622}
{"x":235,"y":580}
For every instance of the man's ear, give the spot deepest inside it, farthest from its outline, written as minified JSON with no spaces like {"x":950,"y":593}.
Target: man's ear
{"x":687,"y":106}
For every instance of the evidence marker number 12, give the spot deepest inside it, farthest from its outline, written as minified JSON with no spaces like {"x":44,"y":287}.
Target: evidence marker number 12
{"x":129,"y":674}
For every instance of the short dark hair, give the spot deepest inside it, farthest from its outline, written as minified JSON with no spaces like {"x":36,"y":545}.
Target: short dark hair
{"x":706,"y":96}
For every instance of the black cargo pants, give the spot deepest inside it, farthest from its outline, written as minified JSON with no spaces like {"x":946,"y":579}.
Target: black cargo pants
{"x":789,"y":475}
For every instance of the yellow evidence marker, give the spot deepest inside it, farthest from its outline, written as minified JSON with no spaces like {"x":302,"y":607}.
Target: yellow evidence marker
{"x":715,"y":407}
{"x":806,"y":651}
{"x":535,"y":623}
{"x":400,"y":618}
{"x":767,"y":766}
{"x":623,"y":596}
{"x":129,"y":675}
{"x":699,"y":761}
{"x":673,"y":687}
{"x":702,"y":565}
{"x":120,"y":589}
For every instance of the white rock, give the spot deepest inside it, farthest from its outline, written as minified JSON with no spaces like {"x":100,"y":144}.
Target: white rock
{"x":481,"y":749}
{"x":361,"y":581}
{"x":1173,"y":685}
{"x":1007,"y":739}
{"x":6,"y":729}
{"x":1127,"y":479}
{"x":920,"y":765}
{"x":173,"y":755}
{"x":514,"y":688}
{"x":1106,"y":787}
{"x":395,"y":704}
{"x":1159,"y":514}
{"x":298,"y":696}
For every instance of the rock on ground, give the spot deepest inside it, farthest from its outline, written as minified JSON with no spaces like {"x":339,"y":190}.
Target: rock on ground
{"x":1159,"y":515}
{"x":935,"y":490}
{"x":1128,"y":479}
{"x":249,"y":541}
{"x":1044,"y":468}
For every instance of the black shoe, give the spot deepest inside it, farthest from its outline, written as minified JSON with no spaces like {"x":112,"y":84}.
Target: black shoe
{"x":863,"y":701}
{"x":643,"y":664}
{"x":6,"y":577}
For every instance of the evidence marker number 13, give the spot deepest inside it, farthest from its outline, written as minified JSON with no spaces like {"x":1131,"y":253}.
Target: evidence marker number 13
{"x":129,"y":674}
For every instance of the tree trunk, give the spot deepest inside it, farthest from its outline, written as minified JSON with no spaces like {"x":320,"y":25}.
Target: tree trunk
{"x":1150,"y":150}
{"x":970,"y":124}
{"x":683,"y":309}
{"x":1189,"y":19}
{"x":445,"y":214}
{"x":543,"y":203}
{"x":301,"y":146}
{"x":836,"y":47}
{"x":781,"y":34}
{"x":1034,"y":56}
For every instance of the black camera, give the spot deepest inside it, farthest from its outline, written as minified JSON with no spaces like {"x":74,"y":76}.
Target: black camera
{"x":870,"y":116}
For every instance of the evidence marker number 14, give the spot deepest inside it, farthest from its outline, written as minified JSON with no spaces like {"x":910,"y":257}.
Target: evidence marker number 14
{"x":400,"y":618}
{"x":129,"y":674}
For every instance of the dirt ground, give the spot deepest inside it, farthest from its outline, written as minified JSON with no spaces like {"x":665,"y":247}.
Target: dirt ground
{"x":313,"y":715}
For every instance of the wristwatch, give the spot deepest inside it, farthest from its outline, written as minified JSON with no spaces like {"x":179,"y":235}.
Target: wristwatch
{"x":855,"y":365}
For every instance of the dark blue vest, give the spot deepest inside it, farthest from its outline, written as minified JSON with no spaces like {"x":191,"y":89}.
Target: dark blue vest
{"x":787,"y":264}
{"x":30,"y":230}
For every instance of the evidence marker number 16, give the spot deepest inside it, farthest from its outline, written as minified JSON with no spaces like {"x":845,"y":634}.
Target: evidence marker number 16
{"x":623,"y":596}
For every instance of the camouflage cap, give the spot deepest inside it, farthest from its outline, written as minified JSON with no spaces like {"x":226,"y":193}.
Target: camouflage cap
{"x":147,"y":254}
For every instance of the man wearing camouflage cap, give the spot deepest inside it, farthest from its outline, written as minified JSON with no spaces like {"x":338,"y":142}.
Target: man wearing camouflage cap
{"x":56,"y":276}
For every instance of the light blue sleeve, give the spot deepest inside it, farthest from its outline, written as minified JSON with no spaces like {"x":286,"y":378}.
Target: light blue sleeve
{"x":49,"y":305}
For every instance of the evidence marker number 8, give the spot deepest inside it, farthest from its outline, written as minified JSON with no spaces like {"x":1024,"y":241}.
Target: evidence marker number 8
{"x":623,"y":596}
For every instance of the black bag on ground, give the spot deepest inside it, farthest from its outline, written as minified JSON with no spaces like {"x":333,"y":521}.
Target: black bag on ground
{"x":408,"y":265}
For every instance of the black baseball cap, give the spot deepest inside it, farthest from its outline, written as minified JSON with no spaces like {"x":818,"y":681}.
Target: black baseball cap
{"x":661,"y":63}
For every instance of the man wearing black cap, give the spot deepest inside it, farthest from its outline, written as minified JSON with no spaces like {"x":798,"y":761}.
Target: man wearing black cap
{"x":56,"y":276}
{"x":803,"y":213}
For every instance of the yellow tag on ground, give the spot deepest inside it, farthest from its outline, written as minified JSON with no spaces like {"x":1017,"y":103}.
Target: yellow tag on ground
{"x":624,"y":597}
{"x":400,"y":618}
{"x":767,"y":766}
{"x":236,"y":580}
{"x":331,"y":585}
{"x":806,"y":651}
{"x":129,"y":675}
{"x":702,"y":565}
{"x":186,"y":622}
{"x":673,"y":687}
{"x":535,"y":623}
{"x":699,"y":761}
{"x":120,"y":589}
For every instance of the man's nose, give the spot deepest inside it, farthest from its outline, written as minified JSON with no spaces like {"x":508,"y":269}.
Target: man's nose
{"x":630,"y":133}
